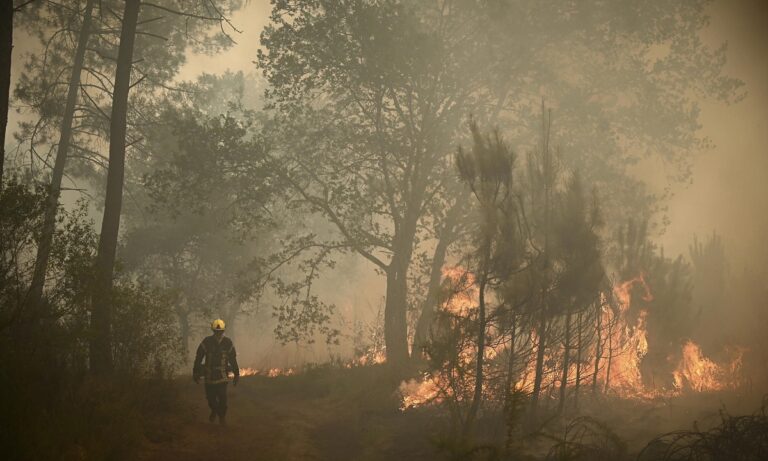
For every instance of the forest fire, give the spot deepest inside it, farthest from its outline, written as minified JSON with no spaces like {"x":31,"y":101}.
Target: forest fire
{"x":621,"y":346}
{"x":698,"y":373}
{"x":548,"y":217}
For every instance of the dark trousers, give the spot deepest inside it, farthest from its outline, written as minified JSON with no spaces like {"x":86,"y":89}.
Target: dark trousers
{"x":217,"y":398}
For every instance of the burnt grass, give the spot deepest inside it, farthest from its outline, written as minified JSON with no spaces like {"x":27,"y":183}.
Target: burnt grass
{"x":335,"y":413}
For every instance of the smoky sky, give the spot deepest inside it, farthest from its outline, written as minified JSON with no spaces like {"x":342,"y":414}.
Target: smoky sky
{"x":728,"y":190}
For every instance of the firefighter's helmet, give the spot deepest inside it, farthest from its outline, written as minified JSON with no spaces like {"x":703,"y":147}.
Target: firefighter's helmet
{"x":217,"y":325}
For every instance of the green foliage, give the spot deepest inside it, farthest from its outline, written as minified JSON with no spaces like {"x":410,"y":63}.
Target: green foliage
{"x":50,"y":409}
{"x":22,"y":211}
{"x":144,"y":331}
{"x":167,"y":31}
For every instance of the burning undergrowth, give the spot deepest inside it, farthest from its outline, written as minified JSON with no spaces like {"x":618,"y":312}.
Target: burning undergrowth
{"x":607,"y":355}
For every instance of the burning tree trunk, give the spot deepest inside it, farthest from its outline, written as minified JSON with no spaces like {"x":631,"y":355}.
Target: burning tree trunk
{"x":101,"y":313}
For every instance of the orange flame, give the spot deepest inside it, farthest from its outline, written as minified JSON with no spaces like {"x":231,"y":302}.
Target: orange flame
{"x":699,"y":373}
{"x":623,"y":346}
{"x":270,"y":372}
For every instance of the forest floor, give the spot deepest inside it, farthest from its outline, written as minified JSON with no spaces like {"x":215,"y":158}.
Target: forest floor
{"x":352,"y":414}
{"x":323,"y":414}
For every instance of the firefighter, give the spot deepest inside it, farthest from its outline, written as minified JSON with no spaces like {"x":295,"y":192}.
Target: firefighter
{"x":215,"y":358}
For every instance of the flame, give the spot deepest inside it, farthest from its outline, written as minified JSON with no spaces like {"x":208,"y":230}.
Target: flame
{"x":697,"y":372}
{"x":274,"y":372}
{"x":371,"y":358}
{"x":416,"y":393}
{"x":623,"y":341}
{"x":464,"y":292}
{"x":269,"y":372}
{"x":623,"y":291}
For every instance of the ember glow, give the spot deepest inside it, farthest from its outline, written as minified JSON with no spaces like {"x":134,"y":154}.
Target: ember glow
{"x":416,"y":393}
{"x":373,"y":358}
{"x":269,"y":372}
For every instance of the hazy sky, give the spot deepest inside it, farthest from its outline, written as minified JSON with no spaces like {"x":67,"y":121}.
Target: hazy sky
{"x":728,"y":192}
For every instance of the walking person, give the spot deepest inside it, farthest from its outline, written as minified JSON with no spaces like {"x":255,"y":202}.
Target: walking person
{"x":215,"y":358}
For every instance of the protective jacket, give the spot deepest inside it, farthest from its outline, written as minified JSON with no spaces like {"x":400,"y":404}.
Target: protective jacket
{"x":214,"y":359}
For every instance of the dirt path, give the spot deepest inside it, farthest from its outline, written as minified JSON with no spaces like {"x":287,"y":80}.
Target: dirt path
{"x":342,"y":414}
{"x":264,"y":424}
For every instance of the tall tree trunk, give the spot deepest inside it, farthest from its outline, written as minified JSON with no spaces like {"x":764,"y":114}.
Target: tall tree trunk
{"x":509,"y":388}
{"x":101,"y":309}
{"x":548,"y":178}
{"x":598,"y":344}
{"x":184,"y":332}
{"x":231,"y":318}
{"x":396,"y":305}
{"x":579,"y":336}
{"x":566,"y":362}
{"x":427,"y":316}
{"x":541,"y":333}
{"x":395,"y":314}
{"x":6,"y":49}
{"x":610,"y":355}
{"x":52,"y":203}
{"x":477,"y":397}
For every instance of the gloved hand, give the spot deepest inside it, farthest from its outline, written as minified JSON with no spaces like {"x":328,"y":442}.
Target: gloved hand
{"x":196,"y":379}
{"x":236,"y":380}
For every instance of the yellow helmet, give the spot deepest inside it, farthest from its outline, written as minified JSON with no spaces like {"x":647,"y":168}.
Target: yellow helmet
{"x":217,"y":325}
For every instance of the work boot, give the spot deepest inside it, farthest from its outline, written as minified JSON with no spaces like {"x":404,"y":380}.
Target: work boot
{"x":212,"y":416}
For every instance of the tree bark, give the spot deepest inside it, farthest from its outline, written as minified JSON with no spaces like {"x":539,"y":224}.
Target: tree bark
{"x":566,"y":362}
{"x":610,"y":356}
{"x":101,"y":309}
{"x":478,"y":392}
{"x":396,"y":306}
{"x":230,"y":318}
{"x":509,"y":388}
{"x":598,"y":345}
{"x":395,"y":313}
{"x":548,"y":174}
{"x":427,"y":316}
{"x":579,"y":336}
{"x":52,"y":202}
{"x":184,"y":332}
{"x":541,"y":332}
{"x":6,"y":50}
